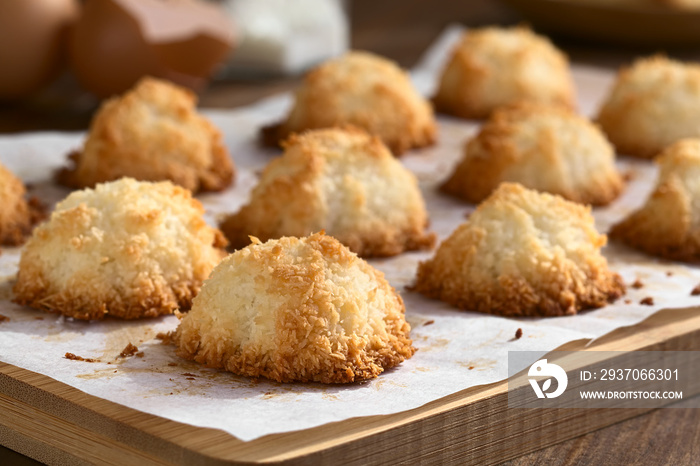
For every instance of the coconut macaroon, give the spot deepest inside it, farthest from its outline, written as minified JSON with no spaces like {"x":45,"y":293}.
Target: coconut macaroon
{"x":653,"y":104}
{"x":340,"y":180}
{"x":127,"y":249}
{"x":18,"y":215}
{"x":364,"y":90}
{"x":546,"y":148}
{"x":668,"y":225}
{"x":292,"y":309}
{"x":492,"y":67}
{"x":152,"y":133}
{"x":522,"y":253}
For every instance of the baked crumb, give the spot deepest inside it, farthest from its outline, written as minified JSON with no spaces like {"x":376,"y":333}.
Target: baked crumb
{"x":695,"y":291}
{"x":165,"y":338}
{"x":172,"y":364}
{"x":188,"y":374}
{"x":628,"y":301}
{"x":648,"y":301}
{"x":129,"y":350}
{"x":428,"y":322}
{"x":518,"y":334}
{"x":4,"y":318}
{"x":637,"y":284}
{"x":74,"y":357}
{"x":140,"y":354}
{"x":669,"y":273}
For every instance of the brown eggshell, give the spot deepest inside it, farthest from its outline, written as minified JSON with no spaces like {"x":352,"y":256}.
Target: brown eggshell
{"x":116,"y":42}
{"x":32,"y":35}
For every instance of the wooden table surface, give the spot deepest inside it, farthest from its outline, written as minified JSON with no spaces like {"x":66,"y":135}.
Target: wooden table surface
{"x":401,"y":30}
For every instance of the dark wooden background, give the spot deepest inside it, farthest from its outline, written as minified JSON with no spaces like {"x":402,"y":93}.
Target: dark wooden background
{"x":401,"y":30}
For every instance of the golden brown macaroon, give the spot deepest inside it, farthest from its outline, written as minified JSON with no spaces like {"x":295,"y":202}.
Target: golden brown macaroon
{"x":653,"y":104}
{"x":492,"y":67}
{"x":342,"y":181}
{"x":127,"y":249}
{"x":292,"y":309}
{"x":364,"y":90}
{"x":668,"y":225}
{"x":152,"y":133}
{"x":18,"y":215}
{"x":522,"y":253}
{"x":546,"y":148}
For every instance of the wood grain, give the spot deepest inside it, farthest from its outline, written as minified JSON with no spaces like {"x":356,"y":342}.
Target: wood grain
{"x":469,"y":427}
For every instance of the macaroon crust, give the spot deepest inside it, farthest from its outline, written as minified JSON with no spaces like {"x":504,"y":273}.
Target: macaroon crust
{"x":491,"y":67}
{"x":668,"y":224}
{"x":547,"y":148}
{"x":364,"y":90}
{"x":18,"y":215}
{"x":152,"y":133}
{"x":340,"y":180}
{"x":305,"y":310}
{"x":126,"y":249}
{"x":653,"y":103}
{"x":522,"y":253}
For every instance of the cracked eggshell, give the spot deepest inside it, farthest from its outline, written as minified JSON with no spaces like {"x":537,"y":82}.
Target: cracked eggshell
{"x":116,"y":42}
{"x":32,"y":43}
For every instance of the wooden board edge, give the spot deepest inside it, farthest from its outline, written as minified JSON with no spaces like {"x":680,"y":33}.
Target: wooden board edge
{"x":194,"y":445}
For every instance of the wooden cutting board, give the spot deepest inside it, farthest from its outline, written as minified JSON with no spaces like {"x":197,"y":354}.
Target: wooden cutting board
{"x":57,"y":424}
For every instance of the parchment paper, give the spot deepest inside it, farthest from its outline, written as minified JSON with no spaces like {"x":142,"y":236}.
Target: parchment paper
{"x":459,"y":350}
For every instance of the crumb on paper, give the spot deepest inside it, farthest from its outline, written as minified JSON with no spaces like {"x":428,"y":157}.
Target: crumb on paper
{"x":695,"y":291}
{"x":428,"y":322}
{"x":637,"y":284}
{"x":628,"y":175}
{"x":471,"y":368}
{"x":648,"y":301}
{"x":75,"y":357}
{"x":172,"y":364}
{"x":518,"y":334}
{"x":165,"y":337}
{"x":189,"y":374}
{"x":628,"y":301}
{"x":38,"y":318}
{"x":139,"y":354}
{"x":4,"y":318}
{"x":129,"y":350}
{"x":190,"y":378}
{"x":669,"y":273}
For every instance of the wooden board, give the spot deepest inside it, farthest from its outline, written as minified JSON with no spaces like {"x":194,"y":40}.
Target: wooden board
{"x":57,"y":424}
